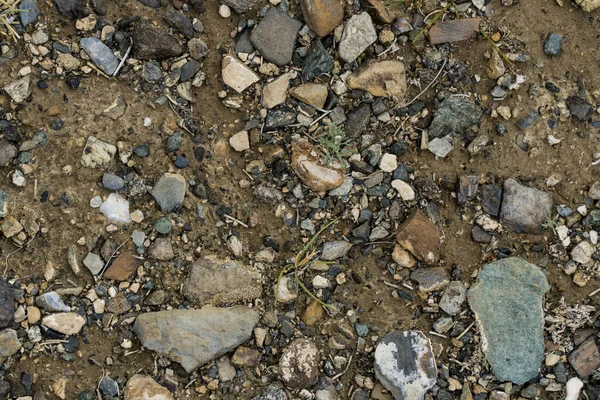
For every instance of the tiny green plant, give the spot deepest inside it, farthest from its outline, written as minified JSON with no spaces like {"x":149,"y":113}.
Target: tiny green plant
{"x":551,"y":223}
{"x":301,"y":260}
{"x":8,"y":15}
{"x":332,"y":143}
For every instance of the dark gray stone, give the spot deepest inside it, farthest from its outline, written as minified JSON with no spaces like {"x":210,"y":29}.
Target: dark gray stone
{"x":72,"y":8}
{"x":491,"y":199}
{"x":275,"y":37}
{"x":240,"y":6}
{"x":100,"y":6}
{"x":152,"y":43}
{"x":357,"y":120}
{"x":529,"y":120}
{"x":553,"y":44}
{"x":430,"y":279}
{"x":174,"y":142}
{"x":163,"y":225}
{"x":580,"y":109}
{"x":405,"y":364}
{"x":100,"y":54}
{"x":317,"y":61}
{"x":188,"y":70}
{"x":195,"y":337}
{"x":454,"y":116}
{"x":507,"y":301}
{"x":279,"y":118}
{"x":108,"y":386}
{"x":524,"y":209}
{"x":112,"y":182}
{"x":29,"y":12}
{"x":152,"y":72}
{"x":179,"y":21}
{"x":169,"y":191}
{"x":7,"y":304}
{"x":151,"y":3}
{"x":243,"y":43}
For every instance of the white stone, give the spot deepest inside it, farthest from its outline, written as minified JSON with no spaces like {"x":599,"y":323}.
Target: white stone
{"x":116,"y":209}
{"x":18,"y":178}
{"x":236,"y":75}
{"x":68,"y":323}
{"x":287,"y":290}
{"x":18,"y":90}
{"x":224,"y":11}
{"x":240,"y":141}
{"x":582,"y":253}
{"x":405,"y":191}
{"x":441,"y":147}
{"x":96,"y":202}
{"x":320,"y":282}
{"x":388,"y":162}
{"x":574,"y":386}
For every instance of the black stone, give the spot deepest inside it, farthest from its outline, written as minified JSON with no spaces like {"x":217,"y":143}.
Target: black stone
{"x":491,"y":198}
{"x":73,"y":81}
{"x":188,"y":70}
{"x":529,"y":120}
{"x":151,"y":3}
{"x":243,"y":43}
{"x":72,"y":8}
{"x":181,"y":161}
{"x":141,"y":150}
{"x":579,"y":108}
{"x":358,"y":120}
{"x":7,"y":306}
{"x":280,"y":118}
{"x":179,"y":21}
{"x":317,"y":61}
{"x":99,"y":6}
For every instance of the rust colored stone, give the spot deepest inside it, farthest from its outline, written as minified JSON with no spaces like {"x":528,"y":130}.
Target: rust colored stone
{"x":420,"y":237}
{"x":586,"y":358}
{"x":122,"y":268}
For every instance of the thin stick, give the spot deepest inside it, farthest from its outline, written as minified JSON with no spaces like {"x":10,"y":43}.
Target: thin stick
{"x":92,"y":66}
{"x":96,"y":278}
{"x":465,"y":331}
{"x":320,"y":118}
{"x":594,"y":292}
{"x":495,"y":46}
{"x":190,"y":384}
{"x":428,"y":86}
{"x":388,"y":49}
{"x":124,"y":58}
{"x":345,"y":369}
{"x":438,"y":334}
{"x":235,"y":220}
{"x":391,"y":285}
{"x":13,"y":252}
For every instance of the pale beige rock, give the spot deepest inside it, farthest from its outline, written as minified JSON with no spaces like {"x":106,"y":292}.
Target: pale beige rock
{"x":313,"y":94}
{"x":307,"y":163}
{"x":67,"y":323}
{"x":495,"y":66}
{"x":236,"y":75}
{"x":588,"y":5}
{"x":402,"y":257}
{"x":67,"y":61}
{"x":381,"y":79}
{"x":275,"y":93}
{"x":143,"y":387}
{"x":240,"y":141}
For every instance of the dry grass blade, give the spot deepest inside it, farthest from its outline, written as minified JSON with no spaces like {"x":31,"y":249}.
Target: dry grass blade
{"x":8,"y":14}
{"x":301,"y":260}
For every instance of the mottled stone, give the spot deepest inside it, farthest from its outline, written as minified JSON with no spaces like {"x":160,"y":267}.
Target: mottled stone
{"x":524,"y":209}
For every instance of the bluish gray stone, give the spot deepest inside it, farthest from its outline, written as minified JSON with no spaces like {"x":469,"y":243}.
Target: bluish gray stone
{"x":169,"y":191}
{"x":108,"y":386}
{"x":174,"y":142}
{"x":3,"y":203}
{"x":112,"y":182}
{"x":100,"y":54}
{"x":553,"y":44}
{"x":454,"y":116}
{"x":51,"y":301}
{"x":529,"y":120}
{"x":29,"y":12}
{"x":508,"y":304}
{"x":163,"y":225}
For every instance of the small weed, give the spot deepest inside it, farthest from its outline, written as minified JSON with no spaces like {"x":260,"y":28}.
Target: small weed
{"x":332,"y":143}
{"x":300,"y":262}
{"x":551,"y":223}
{"x":8,"y":14}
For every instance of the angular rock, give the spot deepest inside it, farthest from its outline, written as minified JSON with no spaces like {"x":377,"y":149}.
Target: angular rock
{"x":491,"y":199}
{"x":299,"y":364}
{"x":268,"y":194}
{"x":453,"y":297}
{"x":358,"y":120}
{"x":335,"y":249}
{"x":236,"y":75}
{"x":580,"y":109}
{"x":122,"y":268}
{"x":279,"y":118}
{"x":313,"y":94}
{"x":586,"y":358}
{"x":454,"y":116}
{"x":583,"y":252}
{"x":94,"y":263}
{"x":272,"y":392}
{"x":143,"y":387}
{"x":68,"y":323}
{"x":240,"y":141}
{"x":19,"y":90}
{"x":195,"y":337}
{"x":29,"y":12}
{"x":430,"y":279}
{"x":9,"y":343}
{"x":381,"y":79}
{"x":553,"y":44}
{"x":588,"y":5}
{"x":529,"y":120}
{"x":240,"y":6}
{"x":507,"y":302}
{"x":275,"y":37}
{"x":308,"y":164}
{"x":453,"y":31}
{"x":116,"y":209}
{"x":420,"y":237}
{"x":151,"y":43}
{"x":8,"y":151}
{"x":221,"y":282}
{"x":322,"y":16}
{"x":441,"y":147}
{"x":359,"y":33}
{"x":169,"y":191}
{"x":51,"y":301}
{"x":99,"y":6}
{"x":97,"y":153}
{"x":405,"y":364}
{"x":161,"y":250}
{"x":100,"y":54}
{"x":317,"y":61}
{"x":179,"y":21}
{"x":524,"y":209}
{"x":7,"y":304}
{"x":72,"y":8}
{"x":118,"y":107}
{"x":275,"y":93}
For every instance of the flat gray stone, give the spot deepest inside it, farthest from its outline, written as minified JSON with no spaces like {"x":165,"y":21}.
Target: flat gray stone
{"x":51,"y":301}
{"x":221,"y":282}
{"x":9,"y":343}
{"x":169,"y":191}
{"x":405,"y":364}
{"x":508,"y":304}
{"x":29,"y":12}
{"x":453,"y":297}
{"x":441,"y":147}
{"x":430,"y":279}
{"x":100,"y":54}
{"x":195,"y":337}
{"x":335,"y":249}
{"x":94,"y":263}
{"x":358,"y":34}
{"x":524,"y":209}
{"x":454,"y":116}
{"x":275,"y":37}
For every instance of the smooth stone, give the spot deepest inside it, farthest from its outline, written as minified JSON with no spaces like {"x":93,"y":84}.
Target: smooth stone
{"x":381,"y":79}
{"x":313,"y":94}
{"x":524,"y":209}
{"x":219,"y":281}
{"x":161,"y":250}
{"x":405,"y":364}
{"x":100,"y":54}
{"x":195,"y":337}
{"x":94,"y":263}
{"x":359,"y":33}
{"x":507,"y":300}
{"x":299,"y":364}
{"x":112,"y":182}
{"x":322,"y":16}
{"x":72,"y":8}
{"x":151,"y":43}
{"x":275,"y":37}
{"x":169,"y":191}
{"x":29,"y":12}
{"x":122,"y":267}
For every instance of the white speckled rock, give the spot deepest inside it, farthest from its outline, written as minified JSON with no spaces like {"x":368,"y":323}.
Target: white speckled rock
{"x":299,"y":364}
